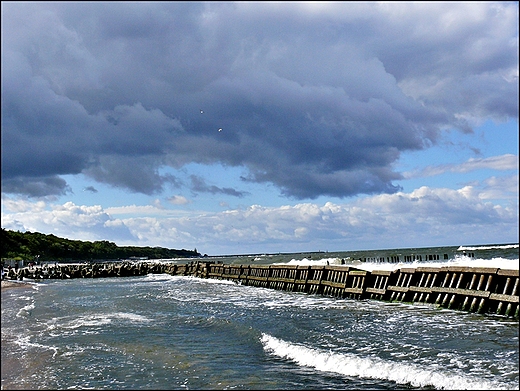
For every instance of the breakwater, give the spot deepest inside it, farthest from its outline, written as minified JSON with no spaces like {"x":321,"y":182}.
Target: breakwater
{"x":473,"y":289}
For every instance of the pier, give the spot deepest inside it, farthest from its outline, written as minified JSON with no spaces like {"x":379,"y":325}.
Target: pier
{"x":472,"y":289}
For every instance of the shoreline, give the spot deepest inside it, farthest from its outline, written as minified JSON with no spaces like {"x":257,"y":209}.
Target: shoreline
{"x":8,"y":284}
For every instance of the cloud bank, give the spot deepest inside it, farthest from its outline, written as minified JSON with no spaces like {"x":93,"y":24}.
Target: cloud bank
{"x":315,"y":99}
{"x":426,"y":215}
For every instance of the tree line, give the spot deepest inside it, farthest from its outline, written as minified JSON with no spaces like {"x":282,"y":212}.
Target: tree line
{"x":42,"y":247}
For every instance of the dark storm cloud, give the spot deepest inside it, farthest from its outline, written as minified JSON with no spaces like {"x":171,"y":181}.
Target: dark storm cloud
{"x":90,"y":189}
{"x":136,"y":173}
{"x":198,"y":185}
{"x":36,"y":187}
{"x":316,"y":99}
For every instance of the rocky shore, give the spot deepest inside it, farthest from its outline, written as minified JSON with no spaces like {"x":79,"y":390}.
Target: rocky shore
{"x":86,"y":270}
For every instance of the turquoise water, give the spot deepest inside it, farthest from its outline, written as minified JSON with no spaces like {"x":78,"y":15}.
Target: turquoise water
{"x":173,"y":332}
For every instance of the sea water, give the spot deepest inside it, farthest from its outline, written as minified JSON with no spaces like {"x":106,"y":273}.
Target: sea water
{"x":175,"y":332}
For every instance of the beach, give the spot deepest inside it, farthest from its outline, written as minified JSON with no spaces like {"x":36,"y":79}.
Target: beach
{"x":7,"y":284}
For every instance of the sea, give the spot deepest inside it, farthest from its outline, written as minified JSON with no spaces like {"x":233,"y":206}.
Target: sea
{"x":165,"y":332}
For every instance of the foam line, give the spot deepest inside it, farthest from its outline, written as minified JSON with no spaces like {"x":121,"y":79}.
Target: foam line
{"x":372,"y":367}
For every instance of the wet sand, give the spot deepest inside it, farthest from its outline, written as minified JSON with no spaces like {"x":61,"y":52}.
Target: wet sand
{"x":7,"y":284}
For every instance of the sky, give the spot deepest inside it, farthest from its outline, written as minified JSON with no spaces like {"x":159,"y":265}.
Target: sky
{"x":261,"y":127}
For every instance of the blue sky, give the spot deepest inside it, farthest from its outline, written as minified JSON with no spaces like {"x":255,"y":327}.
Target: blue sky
{"x":344,"y":126}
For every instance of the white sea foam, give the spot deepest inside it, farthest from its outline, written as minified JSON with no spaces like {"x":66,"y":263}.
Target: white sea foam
{"x":87,"y":321}
{"x":131,"y":317}
{"x":158,"y":277}
{"x":96,"y":320}
{"x":505,"y":247}
{"x":311,"y":262}
{"x":459,"y":260}
{"x":161,"y":278}
{"x":214,"y":281}
{"x":24,"y":342}
{"x":501,"y":263}
{"x":373,"y":367}
{"x":25,"y":311}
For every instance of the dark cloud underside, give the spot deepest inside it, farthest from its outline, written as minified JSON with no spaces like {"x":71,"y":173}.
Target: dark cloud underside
{"x":318,"y":100}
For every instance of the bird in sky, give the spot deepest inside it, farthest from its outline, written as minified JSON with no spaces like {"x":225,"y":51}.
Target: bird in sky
{"x":219,"y":129}
{"x":202,"y":111}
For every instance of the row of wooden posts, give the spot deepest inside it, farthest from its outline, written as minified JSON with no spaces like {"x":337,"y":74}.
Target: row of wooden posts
{"x":481,"y":290}
{"x":411,"y":258}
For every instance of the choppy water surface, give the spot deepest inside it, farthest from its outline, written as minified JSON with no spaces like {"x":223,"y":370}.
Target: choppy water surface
{"x":172,"y":332}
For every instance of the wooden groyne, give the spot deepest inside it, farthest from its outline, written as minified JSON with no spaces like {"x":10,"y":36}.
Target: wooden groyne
{"x":480,"y":290}
{"x":473,"y":289}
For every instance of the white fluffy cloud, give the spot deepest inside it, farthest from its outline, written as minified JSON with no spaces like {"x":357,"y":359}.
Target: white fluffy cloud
{"x":434,"y":216}
{"x":67,"y":220}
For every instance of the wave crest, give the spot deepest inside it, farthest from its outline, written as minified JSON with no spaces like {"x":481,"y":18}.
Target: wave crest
{"x":372,"y":367}
{"x":498,"y":247}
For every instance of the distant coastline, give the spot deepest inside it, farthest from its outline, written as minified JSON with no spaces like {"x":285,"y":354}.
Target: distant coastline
{"x":37,"y":247}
